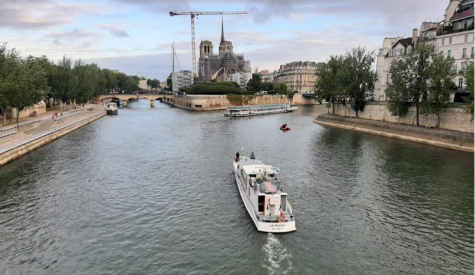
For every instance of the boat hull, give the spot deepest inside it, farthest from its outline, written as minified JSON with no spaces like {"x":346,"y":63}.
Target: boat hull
{"x":268,"y":227}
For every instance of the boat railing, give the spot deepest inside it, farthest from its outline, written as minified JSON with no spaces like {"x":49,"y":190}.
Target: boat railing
{"x":289,"y":208}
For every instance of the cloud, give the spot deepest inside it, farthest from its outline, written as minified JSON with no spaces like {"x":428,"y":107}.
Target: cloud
{"x":39,"y":14}
{"x":74,"y":36}
{"x":113,"y":30}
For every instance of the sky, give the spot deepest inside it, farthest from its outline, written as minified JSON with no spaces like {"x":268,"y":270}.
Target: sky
{"x":135,"y":36}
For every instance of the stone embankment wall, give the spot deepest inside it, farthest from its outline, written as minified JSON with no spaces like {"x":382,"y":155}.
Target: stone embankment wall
{"x":299,"y":99}
{"x":443,"y":138}
{"x":219,"y":102}
{"x":34,"y":144}
{"x":451,"y":119}
{"x":39,"y":108}
{"x":198,"y":102}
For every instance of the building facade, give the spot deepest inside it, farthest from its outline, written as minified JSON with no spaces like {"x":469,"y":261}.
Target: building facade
{"x":241,"y":79}
{"x":143,"y":83}
{"x":181,"y":79}
{"x":299,"y":76}
{"x":222,"y":65}
{"x":453,"y":37}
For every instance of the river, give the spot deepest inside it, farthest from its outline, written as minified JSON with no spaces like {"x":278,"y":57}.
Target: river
{"x":151,"y":191}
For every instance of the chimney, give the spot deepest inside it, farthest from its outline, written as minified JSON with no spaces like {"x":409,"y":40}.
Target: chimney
{"x":414,"y":36}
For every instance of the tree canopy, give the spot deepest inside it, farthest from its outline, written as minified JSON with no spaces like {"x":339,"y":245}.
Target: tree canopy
{"x":346,"y":79}
{"x":421,"y":77}
{"x":27,"y":81}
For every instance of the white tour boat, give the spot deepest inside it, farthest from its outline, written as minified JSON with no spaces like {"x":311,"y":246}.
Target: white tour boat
{"x":262,"y":195}
{"x":243,"y":111}
{"x":111,"y":108}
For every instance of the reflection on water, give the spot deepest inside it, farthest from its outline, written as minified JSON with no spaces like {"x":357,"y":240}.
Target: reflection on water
{"x":151,"y":191}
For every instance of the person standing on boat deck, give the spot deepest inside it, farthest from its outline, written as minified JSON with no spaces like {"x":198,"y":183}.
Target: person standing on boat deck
{"x":237,"y":156}
{"x":252,"y":155}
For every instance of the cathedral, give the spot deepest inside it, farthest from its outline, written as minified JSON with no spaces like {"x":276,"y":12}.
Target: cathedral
{"x":223,"y":65}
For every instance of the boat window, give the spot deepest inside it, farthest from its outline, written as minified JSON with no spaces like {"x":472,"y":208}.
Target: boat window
{"x":252,"y":175}
{"x":283,"y":202}
{"x":260,"y":203}
{"x":198,"y":106}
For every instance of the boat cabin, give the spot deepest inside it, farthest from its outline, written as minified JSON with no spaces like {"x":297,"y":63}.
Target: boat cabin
{"x":262,"y":187}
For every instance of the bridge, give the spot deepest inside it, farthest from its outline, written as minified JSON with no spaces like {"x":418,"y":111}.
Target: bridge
{"x":130,"y":97}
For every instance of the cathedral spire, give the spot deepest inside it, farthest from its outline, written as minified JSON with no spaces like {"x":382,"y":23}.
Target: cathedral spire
{"x":222,"y":29}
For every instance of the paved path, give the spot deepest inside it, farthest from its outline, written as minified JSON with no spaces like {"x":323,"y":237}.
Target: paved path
{"x":32,"y":128}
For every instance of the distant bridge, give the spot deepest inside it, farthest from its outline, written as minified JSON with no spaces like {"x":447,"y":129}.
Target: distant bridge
{"x":126,"y":98}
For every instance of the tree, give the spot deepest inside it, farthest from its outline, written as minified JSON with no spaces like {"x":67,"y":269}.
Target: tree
{"x":281,"y":88}
{"x":440,"y":81}
{"x":410,"y":80}
{"x":30,"y":85}
{"x":254,"y":83}
{"x":469,"y":75}
{"x":62,"y":81}
{"x":149,"y":82}
{"x":111,"y":80}
{"x":155,"y":84}
{"x":358,"y":77}
{"x":328,"y":85}
{"x":9,"y":61}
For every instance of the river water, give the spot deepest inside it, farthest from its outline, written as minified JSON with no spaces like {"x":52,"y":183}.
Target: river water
{"x":151,"y":191}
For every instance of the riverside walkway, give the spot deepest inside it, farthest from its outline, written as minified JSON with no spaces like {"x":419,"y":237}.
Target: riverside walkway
{"x":37,"y":131}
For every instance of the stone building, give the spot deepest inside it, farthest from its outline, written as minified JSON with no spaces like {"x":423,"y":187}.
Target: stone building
{"x":222,"y":65}
{"x":299,"y":76}
{"x":453,"y":37}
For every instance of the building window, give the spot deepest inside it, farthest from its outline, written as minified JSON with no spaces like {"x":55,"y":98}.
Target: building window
{"x":443,"y":41}
{"x":471,"y":55}
{"x":450,"y":41}
{"x":387,"y":78}
{"x":442,"y":52}
{"x":460,"y":83}
{"x":466,"y":38}
{"x":464,"y":52}
{"x":449,"y":52}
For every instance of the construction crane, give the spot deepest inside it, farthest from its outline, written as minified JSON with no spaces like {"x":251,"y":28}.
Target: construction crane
{"x":196,"y":13}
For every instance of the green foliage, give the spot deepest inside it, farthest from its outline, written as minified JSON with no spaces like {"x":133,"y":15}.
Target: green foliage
{"x":9,"y":61}
{"x":469,"y":75}
{"x":329,"y":86}
{"x":254,"y":83}
{"x":281,"y":89}
{"x":440,"y":74}
{"x":217,"y":88}
{"x":111,"y":80}
{"x":421,"y":77}
{"x":346,"y":79}
{"x":358,"y":77}
{"x":267,"y":86}
{"x":29,"y":84}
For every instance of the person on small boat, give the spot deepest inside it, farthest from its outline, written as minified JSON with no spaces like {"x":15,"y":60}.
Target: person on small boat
{"x":252,"y":155}
{"x":237,"y":157}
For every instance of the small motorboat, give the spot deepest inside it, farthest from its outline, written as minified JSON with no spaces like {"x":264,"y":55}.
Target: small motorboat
{"x":284,"y":128}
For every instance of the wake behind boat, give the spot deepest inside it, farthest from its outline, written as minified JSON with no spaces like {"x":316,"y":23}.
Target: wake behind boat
{"x":244,"y":111}
{"x":262,"y":195}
